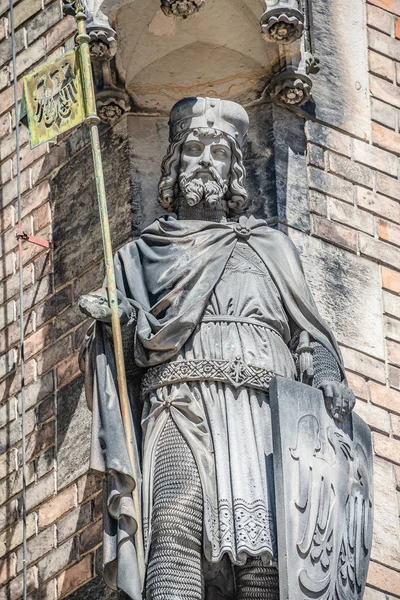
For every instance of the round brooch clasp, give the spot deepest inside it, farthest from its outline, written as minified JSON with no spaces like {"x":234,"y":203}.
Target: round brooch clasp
{"x":242,"y":231}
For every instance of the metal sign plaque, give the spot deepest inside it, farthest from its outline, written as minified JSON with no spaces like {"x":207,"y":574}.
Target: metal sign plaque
{"x":323,"y":481}
{"x":52,"y":100}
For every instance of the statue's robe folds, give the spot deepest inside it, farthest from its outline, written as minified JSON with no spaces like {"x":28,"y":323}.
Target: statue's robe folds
{"x":201,"y":290}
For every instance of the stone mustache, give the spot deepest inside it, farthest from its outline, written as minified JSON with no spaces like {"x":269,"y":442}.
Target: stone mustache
{"x":249,"y":453}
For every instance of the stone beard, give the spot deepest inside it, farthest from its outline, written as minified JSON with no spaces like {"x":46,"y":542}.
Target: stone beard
{"x":213,"y":310}
{"x":193,"y":190}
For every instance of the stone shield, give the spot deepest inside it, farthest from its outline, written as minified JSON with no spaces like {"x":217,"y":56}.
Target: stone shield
{"x":324,"y":503}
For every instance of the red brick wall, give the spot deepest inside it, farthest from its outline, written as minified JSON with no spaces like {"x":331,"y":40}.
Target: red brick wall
{"x":354,"y":203}
{"x":63,"y":523}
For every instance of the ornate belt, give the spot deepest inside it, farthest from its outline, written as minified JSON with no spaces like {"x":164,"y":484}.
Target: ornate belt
{"x":235,"y":372}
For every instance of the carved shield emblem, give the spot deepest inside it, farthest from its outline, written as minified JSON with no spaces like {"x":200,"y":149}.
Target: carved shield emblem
{"x":323,"y":487}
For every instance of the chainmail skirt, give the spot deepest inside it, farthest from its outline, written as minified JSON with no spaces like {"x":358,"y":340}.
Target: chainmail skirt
{"x":256,"y":581}
{"x":175,"y":560}
{"x":174,"y":567}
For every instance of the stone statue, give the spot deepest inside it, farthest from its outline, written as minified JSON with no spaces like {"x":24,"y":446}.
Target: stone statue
{"x":214,"y":305}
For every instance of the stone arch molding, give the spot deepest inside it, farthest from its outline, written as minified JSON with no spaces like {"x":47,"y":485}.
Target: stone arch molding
{"x":218,"y":51}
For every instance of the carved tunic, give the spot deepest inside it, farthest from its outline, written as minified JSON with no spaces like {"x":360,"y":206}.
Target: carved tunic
{"x":228,"y":429}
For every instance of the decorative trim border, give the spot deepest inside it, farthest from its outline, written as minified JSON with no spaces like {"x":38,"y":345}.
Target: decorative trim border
{"x":235,"y":372}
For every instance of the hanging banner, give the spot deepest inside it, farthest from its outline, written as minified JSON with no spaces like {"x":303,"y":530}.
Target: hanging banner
{"x":52,"y":101}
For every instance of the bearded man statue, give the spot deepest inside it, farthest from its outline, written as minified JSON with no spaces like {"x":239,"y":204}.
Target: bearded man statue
{"x":212,"y":306}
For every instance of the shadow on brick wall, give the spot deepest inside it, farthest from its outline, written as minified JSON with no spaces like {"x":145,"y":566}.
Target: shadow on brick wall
{"x":95,"y":590}
{"x":76,"y":223}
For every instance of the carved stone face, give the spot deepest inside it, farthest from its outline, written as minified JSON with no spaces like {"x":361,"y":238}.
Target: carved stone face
{"x":199,"y":153}
{"x":205,"y":167}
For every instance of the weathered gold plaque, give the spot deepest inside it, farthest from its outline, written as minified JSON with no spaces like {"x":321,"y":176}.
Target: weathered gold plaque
{"x":52,"y":100}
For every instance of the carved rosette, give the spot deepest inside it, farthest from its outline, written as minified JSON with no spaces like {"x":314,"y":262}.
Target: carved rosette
{"x":282,"y":22}
{"x":290,"y":87}
{"x":112,"y":104}
{"x":182,"y":9}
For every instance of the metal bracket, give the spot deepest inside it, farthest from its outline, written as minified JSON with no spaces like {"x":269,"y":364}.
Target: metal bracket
{"x":20,"y":234}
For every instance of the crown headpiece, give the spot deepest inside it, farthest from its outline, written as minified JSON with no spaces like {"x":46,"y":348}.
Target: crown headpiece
{"x":224,"y":115}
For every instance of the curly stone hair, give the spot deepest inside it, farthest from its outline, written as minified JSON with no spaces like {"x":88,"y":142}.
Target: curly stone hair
{"x":236,"y":195}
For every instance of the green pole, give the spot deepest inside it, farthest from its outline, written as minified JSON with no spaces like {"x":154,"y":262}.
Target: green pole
{"x":92,"y":120}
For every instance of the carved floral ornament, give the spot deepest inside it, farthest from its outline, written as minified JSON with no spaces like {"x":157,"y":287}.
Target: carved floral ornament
{"x":282,"y":21}
{"x":290,"y":87}
{"x":181,"y":8}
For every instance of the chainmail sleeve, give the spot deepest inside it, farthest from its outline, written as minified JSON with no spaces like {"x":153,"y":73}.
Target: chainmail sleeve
{"x":326,"y":368}
{"x":293,"y":343}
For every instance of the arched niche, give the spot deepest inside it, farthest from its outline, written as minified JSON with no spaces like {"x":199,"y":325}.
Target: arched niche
{"x":217,"y":52}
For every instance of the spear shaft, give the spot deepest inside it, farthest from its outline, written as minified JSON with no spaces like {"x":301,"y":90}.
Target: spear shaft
{"x":92,"y":120}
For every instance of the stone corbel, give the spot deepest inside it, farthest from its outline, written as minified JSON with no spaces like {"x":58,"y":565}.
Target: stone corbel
{"x":112,"y":101}
{"x":182,"y":9}
{"x":292,"y":84}
{"x":282,"y":21}
{"x":291,"y":87}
